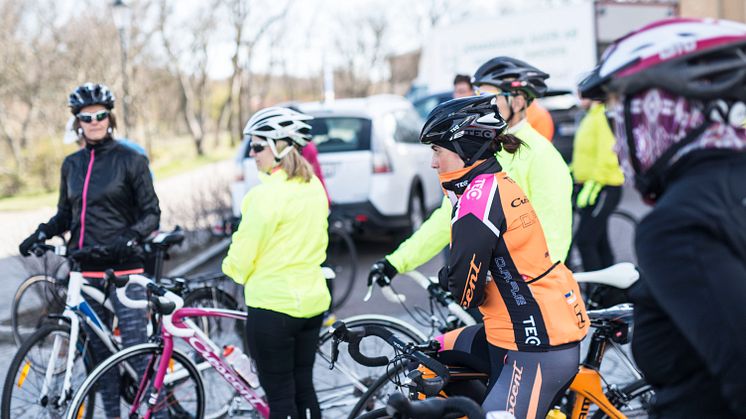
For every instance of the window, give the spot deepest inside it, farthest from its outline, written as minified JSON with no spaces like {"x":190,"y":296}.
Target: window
{"x":408,"y":126}
{"x":337,"y":134}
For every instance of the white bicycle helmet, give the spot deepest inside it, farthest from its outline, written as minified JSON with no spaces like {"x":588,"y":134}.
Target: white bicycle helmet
{"x":280,"y":124}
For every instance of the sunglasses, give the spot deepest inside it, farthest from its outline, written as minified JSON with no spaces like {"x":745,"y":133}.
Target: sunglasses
{"x":258,"y":146}
{"x":491,"y":90}
{"x":89,"y":117}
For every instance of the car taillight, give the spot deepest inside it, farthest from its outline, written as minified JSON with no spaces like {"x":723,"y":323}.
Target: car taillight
{"x":381,"y":163}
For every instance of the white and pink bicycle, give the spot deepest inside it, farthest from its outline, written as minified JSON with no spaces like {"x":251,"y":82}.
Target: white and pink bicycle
{"x":170,"y":385}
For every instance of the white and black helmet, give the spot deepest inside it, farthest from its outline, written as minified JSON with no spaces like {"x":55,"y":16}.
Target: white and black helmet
{"x":280,"y":124}
{"x":90,"y":94}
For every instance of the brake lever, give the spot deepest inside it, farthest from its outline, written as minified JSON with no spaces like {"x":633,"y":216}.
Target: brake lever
{"x":335,"y":352}
{"x":379,"y":279}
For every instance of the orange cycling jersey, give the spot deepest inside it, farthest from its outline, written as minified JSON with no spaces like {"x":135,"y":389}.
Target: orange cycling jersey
{"x":500,"y":262}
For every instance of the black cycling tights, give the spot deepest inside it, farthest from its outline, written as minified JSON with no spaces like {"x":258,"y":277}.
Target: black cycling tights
{"x":284,"y":349}
{"x":592,"y":238}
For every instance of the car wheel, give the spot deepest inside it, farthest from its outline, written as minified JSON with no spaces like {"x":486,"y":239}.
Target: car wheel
{"x":416,"y":211}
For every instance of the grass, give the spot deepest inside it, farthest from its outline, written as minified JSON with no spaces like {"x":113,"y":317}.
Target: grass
{"x":169,"y":158}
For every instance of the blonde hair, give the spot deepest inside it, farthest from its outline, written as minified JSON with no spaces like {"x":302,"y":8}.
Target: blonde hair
{"x":294,"y":164}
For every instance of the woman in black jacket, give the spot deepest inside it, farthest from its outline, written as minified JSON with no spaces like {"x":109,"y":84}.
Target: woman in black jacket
{"x":676,"y":95}
{"x":106,"y":200}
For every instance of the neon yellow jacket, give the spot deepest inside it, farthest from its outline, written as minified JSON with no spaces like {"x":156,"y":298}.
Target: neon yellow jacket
{"x":593,"y":156}
{"x":539,"y":170}
{"x":280,"y":244}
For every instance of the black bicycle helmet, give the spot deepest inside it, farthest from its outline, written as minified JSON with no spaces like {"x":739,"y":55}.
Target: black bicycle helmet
{"x":90,"y":94}
{"x":512,"y":75}
{"x":464,"y":126}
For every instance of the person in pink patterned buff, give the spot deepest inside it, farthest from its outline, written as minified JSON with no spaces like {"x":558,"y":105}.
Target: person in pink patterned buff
{"x":676,"y":94}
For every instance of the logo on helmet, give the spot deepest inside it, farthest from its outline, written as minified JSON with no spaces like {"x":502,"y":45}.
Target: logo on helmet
{"x":678,"y":48}
{"x":480,"y":133}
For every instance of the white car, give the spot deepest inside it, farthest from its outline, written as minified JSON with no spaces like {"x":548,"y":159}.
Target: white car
{"x":376,"y":171}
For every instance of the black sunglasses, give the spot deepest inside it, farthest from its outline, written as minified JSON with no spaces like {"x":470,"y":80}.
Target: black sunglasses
{"x":258,"y":146}
{"x":88,"y":117}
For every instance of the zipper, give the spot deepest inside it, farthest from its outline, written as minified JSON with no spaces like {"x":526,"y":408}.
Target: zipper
{"x":85,"y":198}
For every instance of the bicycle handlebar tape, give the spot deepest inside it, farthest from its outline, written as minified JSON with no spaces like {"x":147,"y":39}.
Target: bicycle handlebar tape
{"x":354,"y":349}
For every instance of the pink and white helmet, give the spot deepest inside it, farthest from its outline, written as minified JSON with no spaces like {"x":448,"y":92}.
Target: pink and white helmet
{"x":696,"y":58}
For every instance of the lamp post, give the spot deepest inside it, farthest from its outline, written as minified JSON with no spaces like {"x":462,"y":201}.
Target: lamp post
{"x":121,"y":14}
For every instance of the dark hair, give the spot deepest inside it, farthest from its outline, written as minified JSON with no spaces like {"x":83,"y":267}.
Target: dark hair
{"x":112,"y":124}
{"x":462,"y":78}
{"x":507,"y":142}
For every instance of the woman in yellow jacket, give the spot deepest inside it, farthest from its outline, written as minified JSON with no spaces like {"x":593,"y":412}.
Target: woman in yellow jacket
{"x":276,"y":255}
{"x":599,"y":180}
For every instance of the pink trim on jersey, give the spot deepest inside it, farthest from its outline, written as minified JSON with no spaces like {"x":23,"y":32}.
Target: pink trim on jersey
{"x":477,"y":198}
{"x":656,"y":59}
{"x":85,"y":198}
{"x":442,"y":340}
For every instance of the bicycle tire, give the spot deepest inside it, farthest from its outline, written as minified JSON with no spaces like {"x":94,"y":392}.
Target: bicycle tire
{"x":635,"y":390}
{"x":144,"y":350}
{"x":22,"y":374}
{"x":335,"y":389}
{"x":342,"y":258}
{"x":26,"y":317}
{"x":368,"y":401}
{"x":220,"y":332}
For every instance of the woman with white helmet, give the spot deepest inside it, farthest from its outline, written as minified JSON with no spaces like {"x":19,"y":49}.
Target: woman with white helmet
{"x":276,"y":255}
{"x":676,"y":92}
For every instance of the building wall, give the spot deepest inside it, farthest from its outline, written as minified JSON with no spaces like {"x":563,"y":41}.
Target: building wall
{"x":723,"y":9}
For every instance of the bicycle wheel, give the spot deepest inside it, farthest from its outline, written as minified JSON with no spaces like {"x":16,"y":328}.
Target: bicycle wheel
{"x":36,"y":298}
{"x":23,"y":390}
{"x":634,"y":400}
{"x":339,"y":389}
{"x":221,"y":330}
{"x":377,"y":394}
{"x":182,"y":395}
{"x":341,"y":256}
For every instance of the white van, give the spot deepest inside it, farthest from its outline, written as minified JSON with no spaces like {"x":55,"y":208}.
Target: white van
{"x":376,"y":171}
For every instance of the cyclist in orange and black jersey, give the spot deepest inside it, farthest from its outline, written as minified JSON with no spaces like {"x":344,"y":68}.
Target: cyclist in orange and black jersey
{"x":499,"y":262}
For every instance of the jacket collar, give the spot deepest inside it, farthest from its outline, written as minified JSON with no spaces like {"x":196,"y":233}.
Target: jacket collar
{"x":275,"y":175}
{"x":101,"y":146}
{"x":458,"y":180}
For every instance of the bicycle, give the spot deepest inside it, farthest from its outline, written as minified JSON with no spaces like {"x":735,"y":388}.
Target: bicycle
{"x":611,"y":330}
{"x":42,"y":296}
{"x":340,"y":388}
{"x":55,"y":359}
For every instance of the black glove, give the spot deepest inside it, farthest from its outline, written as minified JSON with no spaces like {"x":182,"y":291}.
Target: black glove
{"x":443,"y":277}
{"x":124,"y":246}
{"x":39,"y":236}
{"x":382,"y":267}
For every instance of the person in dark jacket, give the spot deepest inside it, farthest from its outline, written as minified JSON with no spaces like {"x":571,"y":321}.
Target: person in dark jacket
{"x":106,"y":200}
{"x":676,"y":92}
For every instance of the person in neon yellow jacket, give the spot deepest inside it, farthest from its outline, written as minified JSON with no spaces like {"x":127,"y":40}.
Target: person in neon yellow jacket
{"x":276,"y":255}
{"x":599,"y":179}
{"x":538,"y":169}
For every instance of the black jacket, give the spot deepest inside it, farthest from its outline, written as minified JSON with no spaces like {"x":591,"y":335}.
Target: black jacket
{"x":119,"y":199}
{"x":690,"y":304}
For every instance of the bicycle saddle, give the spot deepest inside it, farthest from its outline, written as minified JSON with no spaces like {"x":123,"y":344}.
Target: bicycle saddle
{"x":622,"y":275}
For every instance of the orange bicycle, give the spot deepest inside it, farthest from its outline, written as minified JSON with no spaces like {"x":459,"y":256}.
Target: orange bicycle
{"x":588,"y":396}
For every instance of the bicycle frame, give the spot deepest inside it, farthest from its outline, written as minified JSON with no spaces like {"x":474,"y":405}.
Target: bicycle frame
{"x":76,"y":306}
{"x":587,"y":387}
{"x":178,"y":325}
